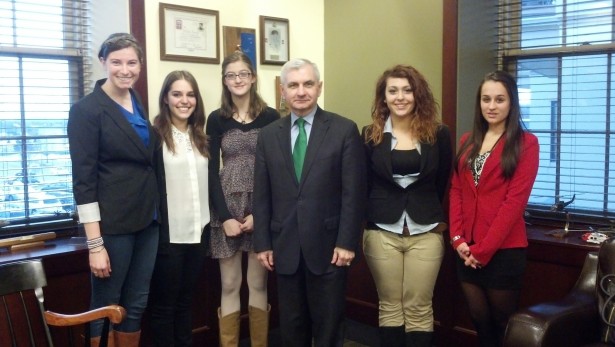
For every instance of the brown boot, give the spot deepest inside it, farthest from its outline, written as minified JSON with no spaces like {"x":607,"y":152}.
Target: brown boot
{"x":229,"y":329}
{"x":127,"y":339}
{"x":259,"y":326}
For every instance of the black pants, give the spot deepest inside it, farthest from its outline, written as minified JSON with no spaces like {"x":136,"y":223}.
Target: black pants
{"x":175,"y":275}
{"x":312,"y":306}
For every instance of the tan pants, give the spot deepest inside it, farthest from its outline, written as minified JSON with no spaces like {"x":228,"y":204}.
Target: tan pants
{"x":405,"y":269}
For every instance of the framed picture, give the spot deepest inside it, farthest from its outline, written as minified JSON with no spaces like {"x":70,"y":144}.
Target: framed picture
{"x":189,"y":34}
{"x":240,"y":39}
{"x":275,"y":46}
{"x":280,"y":102}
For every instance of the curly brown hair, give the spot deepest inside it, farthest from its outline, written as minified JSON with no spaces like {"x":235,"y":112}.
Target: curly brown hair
{"x":424,"y":119}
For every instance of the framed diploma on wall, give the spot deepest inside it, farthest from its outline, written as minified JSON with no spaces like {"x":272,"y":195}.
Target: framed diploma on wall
{"x":189,"y":34}
{"x":274,"y":37}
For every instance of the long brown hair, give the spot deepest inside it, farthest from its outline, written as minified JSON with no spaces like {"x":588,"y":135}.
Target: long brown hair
{"x":424,"y":118}
{"x":196,"y":121}
{"x":227,"y":108}
{"x":513,"y":135}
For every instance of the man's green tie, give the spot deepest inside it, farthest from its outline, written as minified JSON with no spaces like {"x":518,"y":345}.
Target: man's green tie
{"x":300,"y":147}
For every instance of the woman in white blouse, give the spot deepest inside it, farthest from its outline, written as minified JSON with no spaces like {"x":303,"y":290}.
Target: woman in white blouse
{"x":182,"y":175}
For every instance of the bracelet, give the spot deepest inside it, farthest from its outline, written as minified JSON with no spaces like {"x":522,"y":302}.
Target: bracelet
{"x":98,"y":251}
{"x":95,"y":242}
{"x":455,"y":239}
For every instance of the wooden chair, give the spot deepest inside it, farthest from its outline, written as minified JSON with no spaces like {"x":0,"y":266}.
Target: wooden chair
{"x":24,"y":316}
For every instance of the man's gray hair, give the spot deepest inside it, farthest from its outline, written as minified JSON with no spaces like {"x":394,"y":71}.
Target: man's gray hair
{"x":296,"y":64}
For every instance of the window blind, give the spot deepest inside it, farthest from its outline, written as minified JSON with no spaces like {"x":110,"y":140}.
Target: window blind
{"x":44,"y":69}
{"x":562,"y":52}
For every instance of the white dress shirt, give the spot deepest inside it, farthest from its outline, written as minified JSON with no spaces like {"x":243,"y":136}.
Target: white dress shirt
{"x":187,"y":189}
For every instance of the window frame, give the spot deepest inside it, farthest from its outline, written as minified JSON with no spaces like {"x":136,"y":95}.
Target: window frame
{"x":63,"y":223}
{"x":508,"y":58}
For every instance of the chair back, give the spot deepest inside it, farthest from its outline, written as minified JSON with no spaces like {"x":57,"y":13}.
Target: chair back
{"x":22,"y":311}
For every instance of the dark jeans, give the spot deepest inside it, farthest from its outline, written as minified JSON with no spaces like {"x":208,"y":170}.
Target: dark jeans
{"x":175,"y":276}
{"x":132,"y":258}
{"x":312,"y":306}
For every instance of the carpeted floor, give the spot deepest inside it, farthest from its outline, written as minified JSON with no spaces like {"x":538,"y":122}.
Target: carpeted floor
{"x":357,"y":335}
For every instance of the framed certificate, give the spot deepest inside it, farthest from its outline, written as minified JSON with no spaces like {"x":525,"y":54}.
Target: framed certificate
{"x":189,"y":34}
{"x":274,"y":44}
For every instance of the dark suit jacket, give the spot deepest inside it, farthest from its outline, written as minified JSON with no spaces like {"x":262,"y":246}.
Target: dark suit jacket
{"x":111,"y":165}
{"x":324,"y":209}
{"x":422,"y":199}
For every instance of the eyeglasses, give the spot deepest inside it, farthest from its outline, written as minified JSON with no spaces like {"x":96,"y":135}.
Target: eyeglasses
{"x":229,"y":76}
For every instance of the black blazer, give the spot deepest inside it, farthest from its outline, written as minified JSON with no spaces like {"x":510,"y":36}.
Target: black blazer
{"x":422,"y":199}
{"x":324,"y":209}
{"x":111,"y":165}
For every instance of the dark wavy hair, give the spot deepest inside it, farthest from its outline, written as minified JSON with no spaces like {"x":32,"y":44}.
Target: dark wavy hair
{"x":118,"y":41}
{"x":424,"y":119}
{"x":196,"y":121}
{"x":513,"y":135}
{"x":257,"y":104}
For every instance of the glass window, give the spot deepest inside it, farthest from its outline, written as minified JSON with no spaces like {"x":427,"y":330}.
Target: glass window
{"x":562,"y":52}
{"x":42,"y":76}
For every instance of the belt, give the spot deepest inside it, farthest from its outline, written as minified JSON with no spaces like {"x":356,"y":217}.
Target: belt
{"x":373,"y":226}
{"x":405,"y":232}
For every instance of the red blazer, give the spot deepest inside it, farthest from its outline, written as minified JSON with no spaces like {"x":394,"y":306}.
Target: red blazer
{"x":490,"y":216}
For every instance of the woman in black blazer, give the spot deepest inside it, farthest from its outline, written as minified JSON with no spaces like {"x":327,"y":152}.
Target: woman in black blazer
{"x":112,"y":152}
{"x":409,"y":162}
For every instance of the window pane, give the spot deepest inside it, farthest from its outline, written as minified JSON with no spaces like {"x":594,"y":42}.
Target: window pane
{"x":35,"y":172}
{"x":46,"y":93}
{"x":564,"y":103}
{"x":42,"y":72}
{"x":538,"y":80}
{"x":584,"y":91}
{"x":544,"y":23}
{"x":38,"y":24}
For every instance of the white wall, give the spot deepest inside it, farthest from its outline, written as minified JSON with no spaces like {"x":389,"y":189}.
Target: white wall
{"x":102,"y":27}
{"x":306,"y":26}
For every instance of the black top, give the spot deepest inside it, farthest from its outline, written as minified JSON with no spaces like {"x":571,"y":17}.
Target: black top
{"x":405,"y":162}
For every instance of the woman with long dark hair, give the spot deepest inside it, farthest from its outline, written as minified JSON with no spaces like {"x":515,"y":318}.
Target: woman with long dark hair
{"x":495,"y":169}
{"x":182,"y":166}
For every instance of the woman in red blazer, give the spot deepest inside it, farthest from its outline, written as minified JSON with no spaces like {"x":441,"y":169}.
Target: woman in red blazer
{"x":495,"y":169}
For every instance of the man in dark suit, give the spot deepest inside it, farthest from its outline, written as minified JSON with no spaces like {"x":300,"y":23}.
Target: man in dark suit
{"x":308,"y":208}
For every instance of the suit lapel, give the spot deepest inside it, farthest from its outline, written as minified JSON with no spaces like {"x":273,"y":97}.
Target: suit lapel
{"x":381,"y":157}
{"x":494,"y":160}
{"x":113,"y":110}
{"x":283,"y":137}
{"x":317,"y":135}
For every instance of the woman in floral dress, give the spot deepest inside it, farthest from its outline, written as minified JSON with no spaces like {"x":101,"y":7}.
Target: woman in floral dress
{"x":233,"y":129}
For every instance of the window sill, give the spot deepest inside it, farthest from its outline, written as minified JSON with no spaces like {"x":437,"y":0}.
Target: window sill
{"x":51,"y":248}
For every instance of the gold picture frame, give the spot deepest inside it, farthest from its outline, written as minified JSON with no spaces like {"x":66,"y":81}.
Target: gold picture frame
{"x":189,"y":34}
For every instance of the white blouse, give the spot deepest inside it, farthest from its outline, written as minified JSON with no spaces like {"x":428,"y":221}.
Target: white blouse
{"x":187,"y":189}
